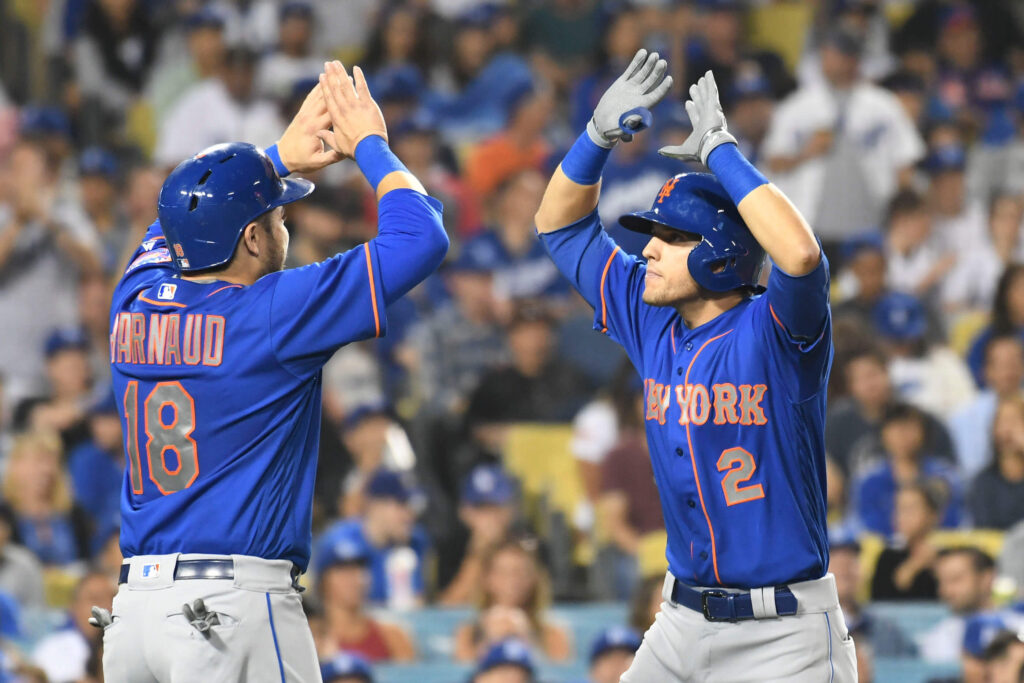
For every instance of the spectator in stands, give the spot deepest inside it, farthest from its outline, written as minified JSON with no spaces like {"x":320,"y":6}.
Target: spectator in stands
{"x":294,"y":59}
{"x":1004,"y":658}
{"x":916,"y":261}
{"x":365,"y":434}
{"x":521,"y":146}
{"x":841,"y":149}
{"x":21,"y":573}
{"x":853,"y":421}
{"x":63,"y":654}
{"x":346,"y":667}
{"x":980,"y":631}
{"x":612,"y":653}
{"x":1004,"y":377}
{"x":397,"y":547}
{"x":628,"y":506}
{"x":645,"y":602}
{"x":905,"y":571}
{"x":623,"y":36}
{"x":218,"y":109}
{"x":64,"y":408}
{"x":512,"y":243}
{"x":474,"y":97}
{"x":996,"y":499}
{"x":487,"y":506}
{"x":864,"y":256}
{"x":112,"y":57}
{"x":100,"y":207}
{"x":750,"y":109}
{"x":36,"y":488}
{"x":144,"y":184}
{"x":96,"y":466}
{"x":965,"y":575}
{"x":344,"y":580}
{"x":510,"y":660}
{"x":448,"y":351}
{"x":203,"y":60}
{"x":41,"y":258}
{"x":399,"y":40}
{"x":536,"y":386}
{"x":1007,"y":317}
{"x":926,"y":372}
{"x":882,"y":637}
{"x":906,"y":463}
{"x":513,"y":605}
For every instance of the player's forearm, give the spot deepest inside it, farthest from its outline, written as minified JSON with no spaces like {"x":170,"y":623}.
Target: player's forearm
{"x":776,"y":224}
{"x":574,"y":187}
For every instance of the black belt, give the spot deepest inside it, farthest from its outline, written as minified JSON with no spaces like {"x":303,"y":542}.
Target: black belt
{"x":205,"y":569}
{"x":719,"y":605}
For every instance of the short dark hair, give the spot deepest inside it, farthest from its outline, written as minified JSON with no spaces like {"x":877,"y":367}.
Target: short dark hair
{"x":902,"y":412}
{"x":980,"y":560}
{"x":904,"y":203}
{"x":931,"y":497}
{"x":1001,"y":643}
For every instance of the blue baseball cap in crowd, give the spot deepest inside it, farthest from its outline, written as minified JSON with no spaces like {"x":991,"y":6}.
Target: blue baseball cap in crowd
{"x":868,"y":241}
{"x":980,"y":630}
{"x":750,"y":83}
{"x":397,"y":84}
{"x":510,"y":651}
{"x":364,"y":411}
{"x":98,"y":161}
{"x":488,"y":485}
{"x":476,"y":256}
{"x":843,"y":537}
{"x":341,"y":545}
{"x":385,"y":483}
{"x":420,"y":122}
{"x":615,"y":638}
{"x":105,"y":403}
{"x":207,"y":17}
{"x":480,"y":15}
{"x":346,"y":665}
{"x":295,"y":8}
{"x":64,"y":339}
{"x":900,"y":317}
{"x":40,"y":120}
{"x":946,"y":158}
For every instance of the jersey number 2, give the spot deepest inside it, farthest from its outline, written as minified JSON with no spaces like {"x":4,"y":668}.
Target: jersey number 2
{"x":173,"y":435}
{"x":740,"y":465}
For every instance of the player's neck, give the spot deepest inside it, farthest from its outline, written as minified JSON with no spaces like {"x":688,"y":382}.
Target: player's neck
{"x":703,"y":309}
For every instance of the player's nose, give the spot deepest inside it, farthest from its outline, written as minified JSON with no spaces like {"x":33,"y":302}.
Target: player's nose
{"x":652,"y":251}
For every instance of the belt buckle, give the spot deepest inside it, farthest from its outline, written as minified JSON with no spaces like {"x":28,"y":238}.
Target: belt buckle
{"x":712,"y":593}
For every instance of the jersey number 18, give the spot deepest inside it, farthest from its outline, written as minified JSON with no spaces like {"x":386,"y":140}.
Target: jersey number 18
{"x":164,"y":432}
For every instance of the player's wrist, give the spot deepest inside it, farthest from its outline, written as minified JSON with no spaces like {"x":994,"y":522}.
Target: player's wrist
{"x":274,"y":152}
{"x":737,"y":175}
{"x":585,"y":160}
{"x":597,"y":137}
{"x":376,"y":160}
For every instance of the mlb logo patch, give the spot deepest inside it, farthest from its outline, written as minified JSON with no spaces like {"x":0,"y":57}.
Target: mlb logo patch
{"x":166,"y":291}
{"x":183,"y":263}
{"x":150,"y":571}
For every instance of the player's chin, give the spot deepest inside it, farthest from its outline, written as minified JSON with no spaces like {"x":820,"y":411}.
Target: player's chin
{"x":653,"y":297}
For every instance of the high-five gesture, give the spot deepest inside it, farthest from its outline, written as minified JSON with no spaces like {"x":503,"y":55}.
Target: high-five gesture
{"x":353,"y":112}
{"x":708,"y":121}
{"x":302,"y":147}
{"x":642,"y":85}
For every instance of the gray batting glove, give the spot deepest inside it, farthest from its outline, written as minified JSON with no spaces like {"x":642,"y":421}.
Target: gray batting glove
{"x":642,"y":84}
{"x":708,"y":120}
{"x":100,"y":618}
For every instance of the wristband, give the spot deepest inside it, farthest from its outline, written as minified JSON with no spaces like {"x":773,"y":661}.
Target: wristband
{"x":737,"y":175}
{"x":275,"y":156}
{"x":376,"y":159}
{"x":585,"y":161}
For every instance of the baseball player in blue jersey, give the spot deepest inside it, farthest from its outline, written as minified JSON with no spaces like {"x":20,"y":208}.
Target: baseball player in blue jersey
{"x":217,"y":355}
{"x":734,"y":376}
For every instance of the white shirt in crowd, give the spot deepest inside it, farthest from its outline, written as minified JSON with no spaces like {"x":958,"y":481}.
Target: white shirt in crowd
{"x":207,"y":115}
{"x":938,"y":382}
{"x":872,"y":133}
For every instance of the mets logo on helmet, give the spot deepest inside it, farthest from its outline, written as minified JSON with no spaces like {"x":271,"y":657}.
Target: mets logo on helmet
{"x":666,"y":189}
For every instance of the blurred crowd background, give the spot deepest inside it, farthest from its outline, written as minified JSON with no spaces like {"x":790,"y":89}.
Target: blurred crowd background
{"x":484,"y":501}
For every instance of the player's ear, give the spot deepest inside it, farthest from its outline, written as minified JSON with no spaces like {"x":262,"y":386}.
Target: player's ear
{"x":251,"y":239}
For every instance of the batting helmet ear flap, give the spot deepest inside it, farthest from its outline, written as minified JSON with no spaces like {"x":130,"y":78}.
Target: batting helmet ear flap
{"x":728,"y":257}
{"x":207,"y":201}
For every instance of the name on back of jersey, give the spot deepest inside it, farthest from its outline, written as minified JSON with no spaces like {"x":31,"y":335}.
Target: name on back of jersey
{"x":722,"y":403}
{"x":167,"y":338}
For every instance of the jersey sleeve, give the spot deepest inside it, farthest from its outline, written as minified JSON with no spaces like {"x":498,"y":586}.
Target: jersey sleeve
{"x":316,"y":309}
{"x":797,"y":324}
{"x":610,"y":280}
{"x":150,"y":262}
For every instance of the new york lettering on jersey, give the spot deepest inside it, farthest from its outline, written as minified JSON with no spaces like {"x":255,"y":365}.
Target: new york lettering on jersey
{"x":734,"y":413}
{"x":219,"y":390}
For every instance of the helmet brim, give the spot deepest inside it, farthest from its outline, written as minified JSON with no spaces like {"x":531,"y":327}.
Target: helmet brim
{"x":640,"y":221}
{"x":294,"y":190}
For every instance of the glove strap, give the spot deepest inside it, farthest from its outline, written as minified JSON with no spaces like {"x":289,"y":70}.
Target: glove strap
{"x":597,"y":137}
{"x":712,"y":138}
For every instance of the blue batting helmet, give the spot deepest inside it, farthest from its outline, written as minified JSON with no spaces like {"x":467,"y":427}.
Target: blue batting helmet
{"x":207,"y":201}
{"x":728,"y":257}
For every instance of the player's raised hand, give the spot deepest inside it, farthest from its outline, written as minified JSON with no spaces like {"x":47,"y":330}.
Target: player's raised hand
{"x":641,"y":86}
{"x":708,"y":121}
{"x":354,"y":114}
{"x":308,"y":144}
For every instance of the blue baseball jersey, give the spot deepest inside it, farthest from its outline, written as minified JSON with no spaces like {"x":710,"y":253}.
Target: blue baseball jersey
{"x":735,"y":413}
{"x":219,"y":390}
